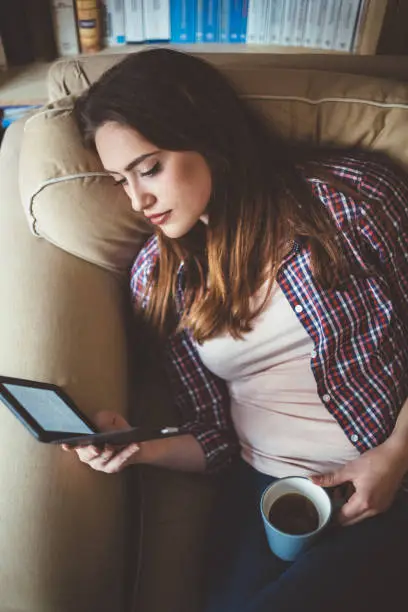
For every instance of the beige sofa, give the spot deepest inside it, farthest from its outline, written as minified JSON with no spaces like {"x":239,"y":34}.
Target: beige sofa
{"x":71,"y":539}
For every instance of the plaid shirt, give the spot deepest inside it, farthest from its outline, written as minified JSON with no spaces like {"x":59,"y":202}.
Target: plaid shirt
{"x":360,"y":356}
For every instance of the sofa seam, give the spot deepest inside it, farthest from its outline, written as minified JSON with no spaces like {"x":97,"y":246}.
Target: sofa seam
{"x":52,"y":181}
{"x":325,"y":100}
{"x":44,"y":111}
{"x":266,"y":97}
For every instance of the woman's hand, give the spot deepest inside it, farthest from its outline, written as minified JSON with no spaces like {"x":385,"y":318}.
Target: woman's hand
{"x":376,"y":477}
{"x":109,"y":459}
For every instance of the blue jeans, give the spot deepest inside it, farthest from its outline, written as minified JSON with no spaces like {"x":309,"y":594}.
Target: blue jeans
{"x":361,"y":567}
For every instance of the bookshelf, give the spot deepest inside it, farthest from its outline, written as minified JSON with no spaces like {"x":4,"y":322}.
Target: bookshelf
{"x":27,"y":84}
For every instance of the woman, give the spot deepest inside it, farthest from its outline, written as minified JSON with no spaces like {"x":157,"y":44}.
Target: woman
{"x":277,"y":279}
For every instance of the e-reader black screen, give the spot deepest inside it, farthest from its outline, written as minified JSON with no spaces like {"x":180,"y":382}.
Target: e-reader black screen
{"x":51,"y":415}
{"x":48,"y":409}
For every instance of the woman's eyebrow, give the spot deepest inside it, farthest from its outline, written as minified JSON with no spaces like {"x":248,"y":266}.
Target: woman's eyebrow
{"x":135,"y":162}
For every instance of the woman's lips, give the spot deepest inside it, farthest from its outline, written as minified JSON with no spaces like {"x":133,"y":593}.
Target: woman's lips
{"x":160,"y":219}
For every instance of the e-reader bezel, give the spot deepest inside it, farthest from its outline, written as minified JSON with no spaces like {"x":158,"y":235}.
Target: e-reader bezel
{"x":26,"y":418}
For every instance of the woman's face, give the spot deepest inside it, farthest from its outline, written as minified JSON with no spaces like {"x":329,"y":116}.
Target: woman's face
{"x":171,"y":188}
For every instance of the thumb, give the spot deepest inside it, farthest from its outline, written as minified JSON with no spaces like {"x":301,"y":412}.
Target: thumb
{"x":331,"y":479}
{"x":107,"y":420}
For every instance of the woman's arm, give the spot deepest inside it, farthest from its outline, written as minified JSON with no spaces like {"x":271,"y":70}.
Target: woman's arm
{"x":179,"y":453}
{"x":398,"y":440}
{"x":376,"y":475}
{"x":203,"y":403}
{"x":383,"y":228}
{"x":200,"y":397}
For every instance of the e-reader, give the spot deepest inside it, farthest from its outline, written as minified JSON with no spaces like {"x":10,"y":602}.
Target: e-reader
{"x":50,"y":415}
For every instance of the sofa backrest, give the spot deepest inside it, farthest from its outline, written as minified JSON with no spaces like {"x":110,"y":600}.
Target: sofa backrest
{"x":73,"y":75}
{"x":71,"y":202}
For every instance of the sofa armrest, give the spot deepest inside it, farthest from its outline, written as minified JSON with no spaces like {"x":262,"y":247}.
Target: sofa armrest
{"x":62,"y":528}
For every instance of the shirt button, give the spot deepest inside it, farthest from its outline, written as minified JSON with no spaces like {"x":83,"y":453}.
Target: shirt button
{"x":298,"y":308}
{"x":313,"y":354}
{"x":354,"y":438}
{"x":326,"y":398}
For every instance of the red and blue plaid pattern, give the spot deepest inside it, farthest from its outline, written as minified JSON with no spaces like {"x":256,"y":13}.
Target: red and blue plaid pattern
{"x":360,"y":356}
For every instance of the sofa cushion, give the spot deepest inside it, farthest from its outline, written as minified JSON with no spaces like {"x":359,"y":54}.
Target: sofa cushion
{"x":331,"y":108}
{"x":69,"y":199}
{"x":72,"y":75}
{"x":71,"y":202}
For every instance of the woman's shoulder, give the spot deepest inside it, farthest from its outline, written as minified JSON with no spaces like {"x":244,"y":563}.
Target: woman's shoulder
{"x":364,"y":171}
{"x":366,"y":179}
{"x":144,"y":263}
{"x":148,"y":254}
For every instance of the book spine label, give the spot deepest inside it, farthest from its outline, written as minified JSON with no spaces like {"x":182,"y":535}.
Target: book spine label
{"x":267,"y":32}
{"x":348,"y":19}
{"x":321,"y":20}
{"x":275,"y":22}
{"x":156,"y":20}
{"x":134,"y":30}
{"x":210,"y":19}
{"x":65,"y":30}
{"x":289,"y":22}
{"x":261,"y":22}
{"x":244,"y":20}
{"x":294,"y":18}
{"x":199,"y":21}
{"x":115,"y":22}
{"x":223,"y":20}
{"x":330,"y":26}
{"x":252,"y":24}
{"x":183,"y":21}
{"x":235,"y":20}
{"x":89,"y":25}
{"x":300,"y":22}
{"x":312,"y":15}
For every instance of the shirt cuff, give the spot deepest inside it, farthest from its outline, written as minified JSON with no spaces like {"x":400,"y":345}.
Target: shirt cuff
{"x":219,"y":445}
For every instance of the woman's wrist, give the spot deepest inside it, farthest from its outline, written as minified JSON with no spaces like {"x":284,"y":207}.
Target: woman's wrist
{"x":397,"y":443}
{"x":144,"y":454}
{"x":178,"y":453}
{"x":397,"y":448}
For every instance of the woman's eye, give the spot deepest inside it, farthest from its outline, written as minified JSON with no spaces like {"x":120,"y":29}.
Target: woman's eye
{"x":153,"y":170}
{"x":122,"y":182}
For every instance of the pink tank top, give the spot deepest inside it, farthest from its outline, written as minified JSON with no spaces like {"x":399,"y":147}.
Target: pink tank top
{"x":283,"y":426}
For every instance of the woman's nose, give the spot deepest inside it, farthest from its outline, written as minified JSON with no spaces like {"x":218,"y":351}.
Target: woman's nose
{"x":140,"y":199}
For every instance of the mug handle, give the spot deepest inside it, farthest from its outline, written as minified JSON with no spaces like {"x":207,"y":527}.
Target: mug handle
{"x":340,"y":494}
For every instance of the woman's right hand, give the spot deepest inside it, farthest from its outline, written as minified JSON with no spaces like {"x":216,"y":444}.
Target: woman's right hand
{"x":177,"y":453}
{"x":109,"y":459}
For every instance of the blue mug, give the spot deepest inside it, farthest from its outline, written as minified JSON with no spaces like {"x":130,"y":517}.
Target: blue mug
{"x":289,"y":546}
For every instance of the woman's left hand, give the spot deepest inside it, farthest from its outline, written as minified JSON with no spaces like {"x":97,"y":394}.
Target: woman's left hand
{"x":376,"y":477}
{"x":110,"y":458}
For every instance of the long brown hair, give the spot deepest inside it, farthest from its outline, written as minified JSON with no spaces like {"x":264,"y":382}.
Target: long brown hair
{"x":259,"y":201}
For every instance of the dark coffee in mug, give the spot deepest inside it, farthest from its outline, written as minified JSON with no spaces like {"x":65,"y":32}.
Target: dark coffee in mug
{"x":294,"y":514}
